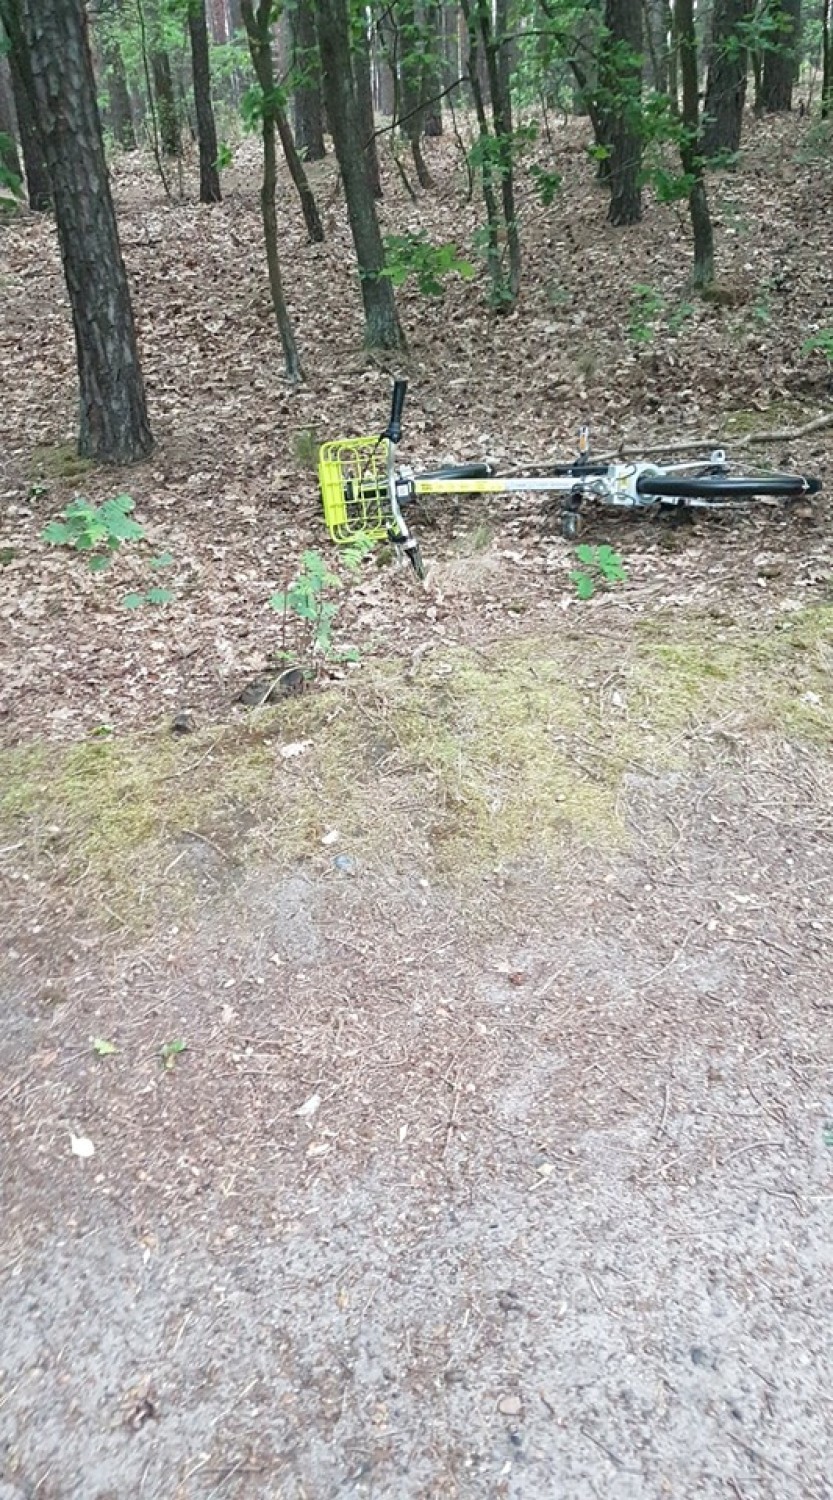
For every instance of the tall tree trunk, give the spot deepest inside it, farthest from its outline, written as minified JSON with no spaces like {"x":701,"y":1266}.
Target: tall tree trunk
{"x":363,"y":91}
{"x":297,"y":172}
{"x":433,"y":65}
{"x":260,"y":47}
{"x":780,"y":57}
{"x":259,"y":31}
{"x":38,"y":185}
{"x":120,"y":112}
{"x":655,"y":18}
{"x":726,"y":85}
{"x":500,"y":293}
{"x":495,"y":37}
{"x":621,"y":77}
{"x":827,"y":62}
{"x":692,"y":161}
{"x":382,"y":328}
{"x":10,"y":164}
{"x":163,"y":89}
{"x":308,"y":113}
{"x":206,"y":127}
{"x":411,"y":43}
{"x":113,"y":425}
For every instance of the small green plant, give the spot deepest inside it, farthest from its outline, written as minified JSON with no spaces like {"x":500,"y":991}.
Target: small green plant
{"x":170,"y":1051}
{"x":136,"y":599}
{"x":305,"y":445}
{"x":7,"y":556}
{"x":103,"y":1048}
{"x":414,"y":255}
{"x":645,"y":309}
{"x":679,"y":316}
{"x":601,"y":567}
{"x":546,"y":184}
{"x":762,"y":306}
{"x":225,"y":156}
{"x":821,"y":343}
{"x":98,"y":530}
{"x":308,"y":608}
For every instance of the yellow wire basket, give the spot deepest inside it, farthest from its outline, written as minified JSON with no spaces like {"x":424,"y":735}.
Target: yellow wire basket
{"x":353,"y":475}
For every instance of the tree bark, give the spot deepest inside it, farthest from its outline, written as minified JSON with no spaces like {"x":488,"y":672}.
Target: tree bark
{"x":500,"y":294}
{"x":10,"y":163}
{"x":308,"y":113}
{"x":495,"y":37}
{"x":382,"y":328}
{"x":411,"y":41}
{"x":827,"y":63}
{"x":433,"y":84}
{"x":163,"y":89}
{"x":692,"y":161}
{"x":621,"y":76}
{"x":113,"y":425}
{"x":780,"y":58}
{"x":297,"y":172}
{"x":363,"y":91}
{"x":726,"y":85}
{"x":260,"y":47}
{"x":206,"y":126}
{"x":38,"y":185}
{"x":655,"y":17}
{"x":259,"y":32}
{"x":120,"y":111}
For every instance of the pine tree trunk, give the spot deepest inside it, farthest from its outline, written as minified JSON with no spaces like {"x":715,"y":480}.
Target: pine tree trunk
{"x":206,"y":127}
{"x":655,"y":23}
{"x":432,"y":121}
{"x":411,"y":54}
{"x":297,"y":172}
{"x":259,"y":31}
{"x":363,"y":91}
{"x":780,"y":58}
{"x":501,"y":296}
{"x":827,"y":63}
{"x":119,"y":111}
{"x":9,"y":158}
{"x":163,"y":89}
{"x":308,"y":113}
{"x":621,"y":73}
{"x":382,"y":329}
{"x":726,"y":85}
{"x":260,"y":47}
{"x":38,"y":185}
{"x":692,"y":161}
{"x":113,"y":425}
{"x":494,"y":36}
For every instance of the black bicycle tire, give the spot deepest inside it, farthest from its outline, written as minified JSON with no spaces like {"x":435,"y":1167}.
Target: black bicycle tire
{"x":458,"y":471}
{"x":725,"y":486}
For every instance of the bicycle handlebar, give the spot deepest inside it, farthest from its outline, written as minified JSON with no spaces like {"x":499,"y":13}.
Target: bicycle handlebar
{"x":393,"y":431}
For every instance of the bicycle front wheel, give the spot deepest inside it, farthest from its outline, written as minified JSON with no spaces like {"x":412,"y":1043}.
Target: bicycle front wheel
{"x":714,"y":485}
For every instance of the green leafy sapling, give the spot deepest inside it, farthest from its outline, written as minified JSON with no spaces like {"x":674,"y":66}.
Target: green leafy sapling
{"x":601,"y":567}
{"x":98,"y":530}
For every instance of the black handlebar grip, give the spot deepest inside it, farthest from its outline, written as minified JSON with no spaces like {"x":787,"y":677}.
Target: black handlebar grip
{"x":394,"y":427}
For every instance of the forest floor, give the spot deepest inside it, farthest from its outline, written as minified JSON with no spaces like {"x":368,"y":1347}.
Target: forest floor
{"x":448,"y":1048}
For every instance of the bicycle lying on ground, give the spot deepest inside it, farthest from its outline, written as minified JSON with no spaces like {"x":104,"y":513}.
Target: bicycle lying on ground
{"x":364,"y":491}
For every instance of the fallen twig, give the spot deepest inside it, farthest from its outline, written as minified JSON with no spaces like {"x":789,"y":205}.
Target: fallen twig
{"x":685,"y":444}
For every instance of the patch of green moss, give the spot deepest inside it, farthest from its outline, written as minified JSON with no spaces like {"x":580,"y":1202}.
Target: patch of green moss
{"x":471,"y":760}
{"x":775,"y":417}
{"x":494,"y":742}
{"x":60,"y":461}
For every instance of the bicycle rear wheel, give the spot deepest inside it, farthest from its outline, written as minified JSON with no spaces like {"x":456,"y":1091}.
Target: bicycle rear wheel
{"x":714,"y":485}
